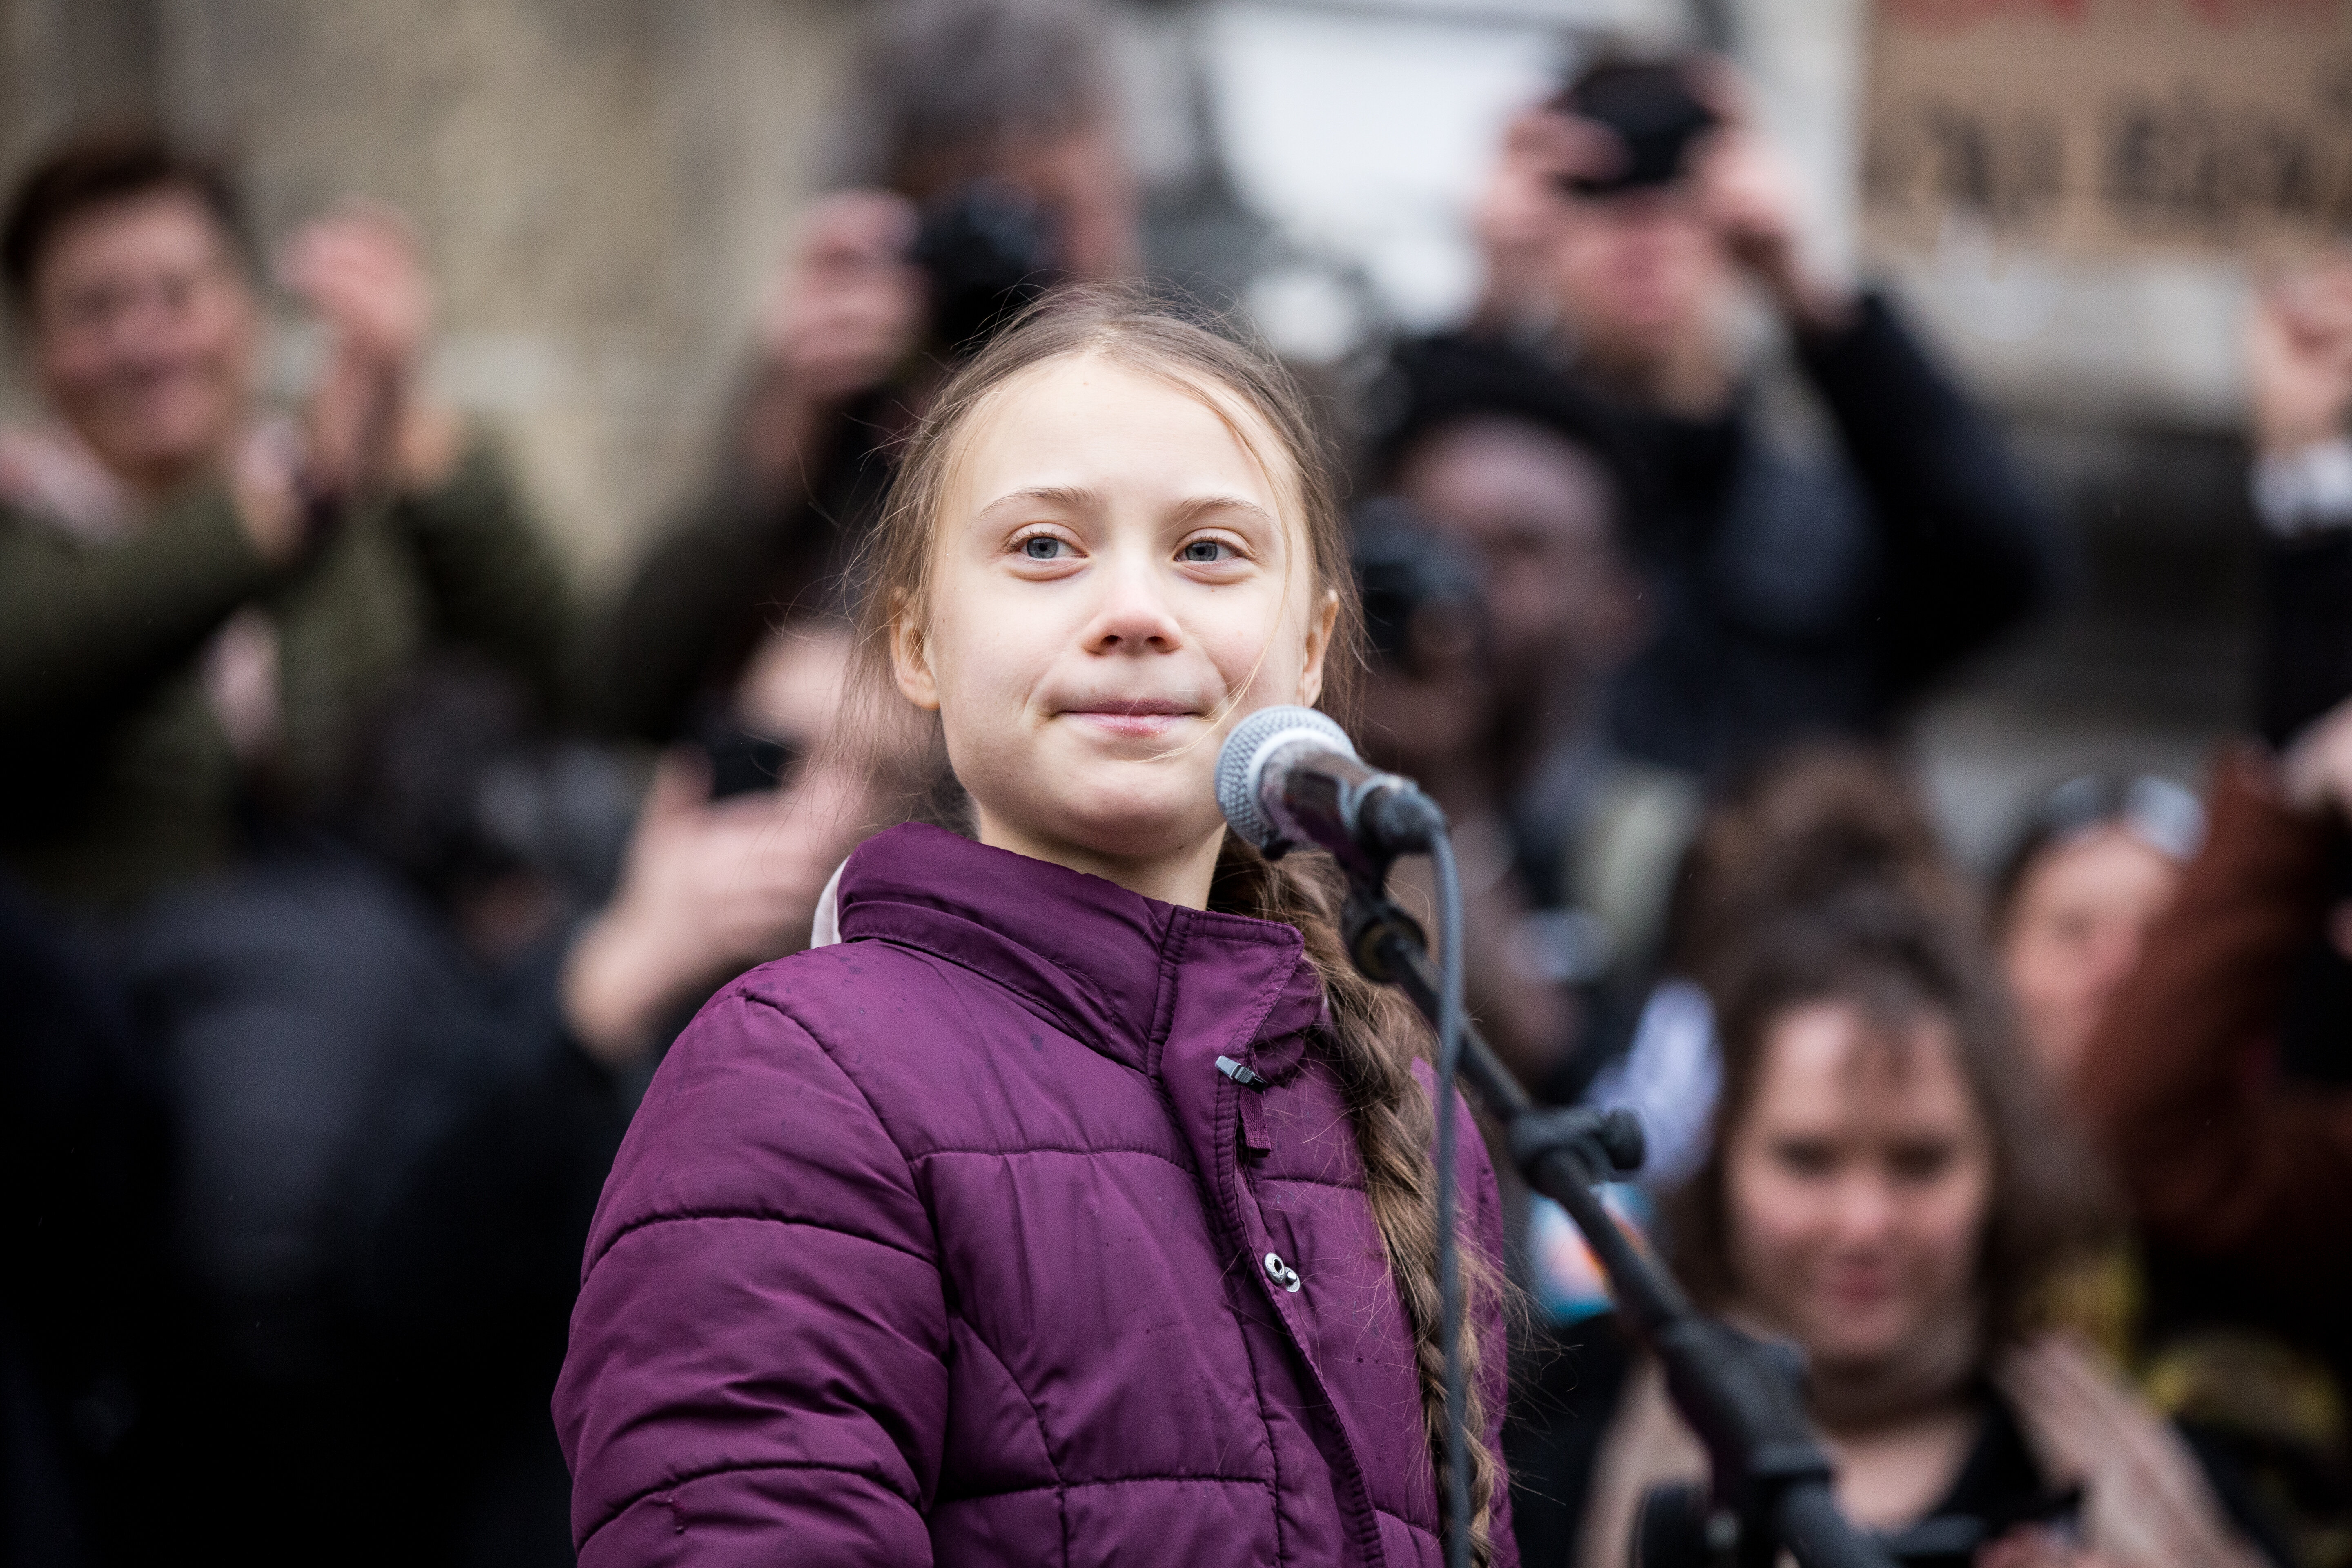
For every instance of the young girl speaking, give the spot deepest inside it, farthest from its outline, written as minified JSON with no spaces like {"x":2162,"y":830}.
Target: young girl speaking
{"x":1076,"y":1206}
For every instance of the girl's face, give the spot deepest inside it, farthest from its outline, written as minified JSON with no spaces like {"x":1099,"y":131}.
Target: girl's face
{"x":1858,"y":1182}
{"x":1116,"y":582}
{"x":2074,"y":935}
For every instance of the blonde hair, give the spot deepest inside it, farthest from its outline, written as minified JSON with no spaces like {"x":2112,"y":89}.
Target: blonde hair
{"x":1375,"y":1038}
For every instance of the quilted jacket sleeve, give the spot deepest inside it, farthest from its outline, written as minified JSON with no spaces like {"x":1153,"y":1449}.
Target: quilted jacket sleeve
{"x":756,"y":1371}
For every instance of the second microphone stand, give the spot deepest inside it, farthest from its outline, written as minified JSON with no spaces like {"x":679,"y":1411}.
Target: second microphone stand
{"x":1770,"y":1485}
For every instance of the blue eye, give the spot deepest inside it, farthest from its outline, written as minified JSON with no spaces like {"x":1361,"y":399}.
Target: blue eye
{"x":1207,"y":552}
{"x":1042,"y":547}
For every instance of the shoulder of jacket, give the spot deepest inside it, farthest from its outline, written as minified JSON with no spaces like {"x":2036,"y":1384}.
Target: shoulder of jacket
{"x":822,"y":985}
{"x":754,"y":1114}
{"x":843,"y":1002}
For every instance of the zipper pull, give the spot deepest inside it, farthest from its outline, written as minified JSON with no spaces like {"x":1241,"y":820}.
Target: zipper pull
{"x":1241,"y":1074}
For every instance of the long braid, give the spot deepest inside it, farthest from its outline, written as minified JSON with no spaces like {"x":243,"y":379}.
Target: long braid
{"x":1373,"y":1035}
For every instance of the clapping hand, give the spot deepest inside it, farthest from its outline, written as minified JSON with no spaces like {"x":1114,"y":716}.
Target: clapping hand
{"x":846,"y":311}
{"x":368,"y":423}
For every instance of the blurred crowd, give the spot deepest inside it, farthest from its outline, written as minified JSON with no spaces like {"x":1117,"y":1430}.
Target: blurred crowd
{"x":355,"y":871}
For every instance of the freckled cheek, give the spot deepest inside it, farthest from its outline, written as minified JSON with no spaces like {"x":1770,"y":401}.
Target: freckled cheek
{"x":1259,"y":655}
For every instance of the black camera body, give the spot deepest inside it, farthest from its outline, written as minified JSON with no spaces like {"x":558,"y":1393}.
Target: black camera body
{"x":989,"y":250}
{"x":1420,"y":594}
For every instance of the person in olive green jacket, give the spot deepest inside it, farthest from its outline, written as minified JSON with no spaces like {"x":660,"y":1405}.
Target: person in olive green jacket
{"x":198,"y":602}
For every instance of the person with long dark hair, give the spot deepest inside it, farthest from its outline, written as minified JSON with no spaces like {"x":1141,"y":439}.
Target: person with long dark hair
{"x":1887,"y":1190}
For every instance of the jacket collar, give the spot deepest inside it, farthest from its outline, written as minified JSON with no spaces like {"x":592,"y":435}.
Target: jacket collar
{"x":1101,"y":962}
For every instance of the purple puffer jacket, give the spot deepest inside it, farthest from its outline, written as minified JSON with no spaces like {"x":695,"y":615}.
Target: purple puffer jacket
{"x":953,"y":1243}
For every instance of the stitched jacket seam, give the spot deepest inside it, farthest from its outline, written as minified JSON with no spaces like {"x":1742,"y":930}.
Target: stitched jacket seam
{"x":1058,"y":1014}
{"x":744,"y":1467}
{"x":1044,"y":1442}
{"x":1055,"y":1149}
{"x":847,"y":1075}
{"x":1255,"y":1483}
{"x":684,"y":1216}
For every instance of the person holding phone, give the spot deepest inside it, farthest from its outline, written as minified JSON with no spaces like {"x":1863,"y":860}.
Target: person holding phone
{"x":1798,"y":586}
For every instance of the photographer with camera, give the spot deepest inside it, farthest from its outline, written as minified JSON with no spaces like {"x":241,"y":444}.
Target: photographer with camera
{"x":1792,"y":595}
{"x":1502,"y":602}
{"x":982,"y":163}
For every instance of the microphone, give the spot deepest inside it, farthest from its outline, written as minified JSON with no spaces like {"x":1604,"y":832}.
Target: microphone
{"x":1290,"y":776}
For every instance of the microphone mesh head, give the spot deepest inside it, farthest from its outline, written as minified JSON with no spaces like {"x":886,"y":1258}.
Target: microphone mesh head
{"x":1242,"y":761}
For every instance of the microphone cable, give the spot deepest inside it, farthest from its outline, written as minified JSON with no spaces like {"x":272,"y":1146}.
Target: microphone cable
{"x":1450,"y":1010}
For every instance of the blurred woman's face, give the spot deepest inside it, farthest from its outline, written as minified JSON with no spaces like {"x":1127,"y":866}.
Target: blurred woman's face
{"x":2074,"y":934}
{"x":1857,"y":1184}
{"x":145,"y":335}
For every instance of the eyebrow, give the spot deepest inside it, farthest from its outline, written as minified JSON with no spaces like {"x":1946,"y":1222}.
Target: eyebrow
{"x":1078,"y":498}
{"x":1201,"y":504}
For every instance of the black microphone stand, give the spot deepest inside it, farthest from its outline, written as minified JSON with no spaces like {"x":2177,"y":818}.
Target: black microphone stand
{"x":1770,"y":1477}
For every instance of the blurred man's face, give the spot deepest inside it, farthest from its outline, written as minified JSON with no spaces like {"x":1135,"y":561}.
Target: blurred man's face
{"x":1638,"y":277}
{"x":145,"y":335}
{"x":1539,"y":515}
{"x":1083,"y":181}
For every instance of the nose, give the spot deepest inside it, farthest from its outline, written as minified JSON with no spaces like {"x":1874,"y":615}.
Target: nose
{"x":1866,"y":1208}
{"x":138,"y":330}
{"x":1133,"y":616}
{"x":2114,"y":952}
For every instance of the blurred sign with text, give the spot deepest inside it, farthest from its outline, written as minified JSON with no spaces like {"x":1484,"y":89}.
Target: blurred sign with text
{"x":2109,"y":128}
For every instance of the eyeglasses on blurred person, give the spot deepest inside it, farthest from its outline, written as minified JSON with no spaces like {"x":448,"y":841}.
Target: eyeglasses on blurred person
{"x":2097,"y":860}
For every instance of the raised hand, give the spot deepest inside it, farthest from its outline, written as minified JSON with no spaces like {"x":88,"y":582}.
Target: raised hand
{"x":2315,"y":775}
{"x":1750,"y":195}
{"x":360,"y":270}
{"x":2299,"y":357}
{"x":846,"y":311}
{"x":1517,"y":218}
{"x":708,"y":888}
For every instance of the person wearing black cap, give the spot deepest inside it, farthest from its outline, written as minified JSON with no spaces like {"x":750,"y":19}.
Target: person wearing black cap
{"x":1791,"y":597}
{"x":1509,"y":475}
